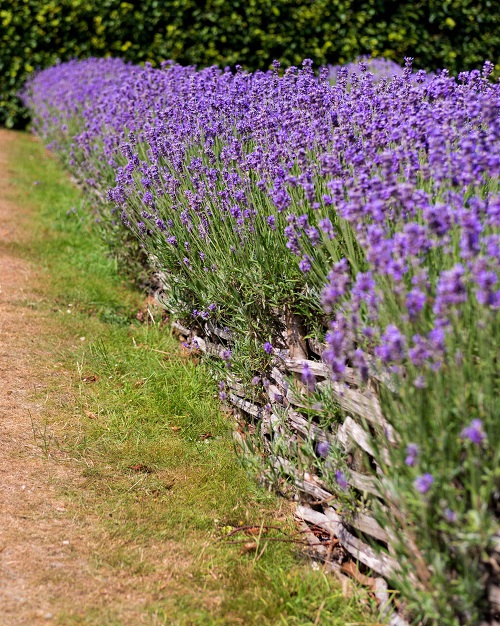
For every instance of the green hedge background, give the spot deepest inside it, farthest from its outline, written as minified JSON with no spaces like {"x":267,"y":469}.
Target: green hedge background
{"x":458,"y":34}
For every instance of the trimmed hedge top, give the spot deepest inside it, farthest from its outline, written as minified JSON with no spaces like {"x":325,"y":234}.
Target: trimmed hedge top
{"x":458,"y":34}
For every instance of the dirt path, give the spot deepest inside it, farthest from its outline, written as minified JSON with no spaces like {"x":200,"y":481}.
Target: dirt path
{"x":44,"y":547}
{"x":36,"y":531}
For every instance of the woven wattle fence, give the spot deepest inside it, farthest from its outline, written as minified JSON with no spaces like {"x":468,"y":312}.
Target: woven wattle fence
{"x":319,"y":511}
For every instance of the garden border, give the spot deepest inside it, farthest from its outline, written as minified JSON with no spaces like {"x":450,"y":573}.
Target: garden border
{"x":314,"y":510}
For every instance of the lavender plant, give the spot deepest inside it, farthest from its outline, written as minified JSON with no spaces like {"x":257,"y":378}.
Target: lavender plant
{"x":378,"y":66}
{"x":368,"y":209}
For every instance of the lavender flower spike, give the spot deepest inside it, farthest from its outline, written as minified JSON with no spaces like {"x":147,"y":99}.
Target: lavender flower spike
{"x":322,"y":449}
{"x":474,"y":432}
{"x":423,"y":483}
{"x":411,"y":454}
{"x":341,"y":480}
{"x":268,"y":347}
{"x":308,"y":378}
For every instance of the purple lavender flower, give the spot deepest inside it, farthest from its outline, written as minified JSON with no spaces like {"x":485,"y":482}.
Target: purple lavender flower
{"x":293,"y":243}
{"x":420,"y":352}
{"x":393,"y":345}
{"x":322,"y":449}
{"x":305,"y":264}
{"x":308,"y":378}
{"x":450,"y":516}
{"x":327,"y":227}
{"x":364,"y":291}
{"x":338,"y":281}
{"x":474,"y":432}
{"x":415,"y":301}
{"x":360,"y":362}
{"x":486,"y":280}
{"x":268,"y":347}
{"x":313,"y":235}
{"x":379,"y":67}
{"x":423,"y":483}
{"x":341,"y":480}
{"x":411,"y":454}
{"x":451,"y":290}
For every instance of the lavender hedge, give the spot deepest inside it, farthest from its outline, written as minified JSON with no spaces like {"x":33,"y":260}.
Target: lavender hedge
{"x":365,"y":206}
{"x":38,"y":33}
